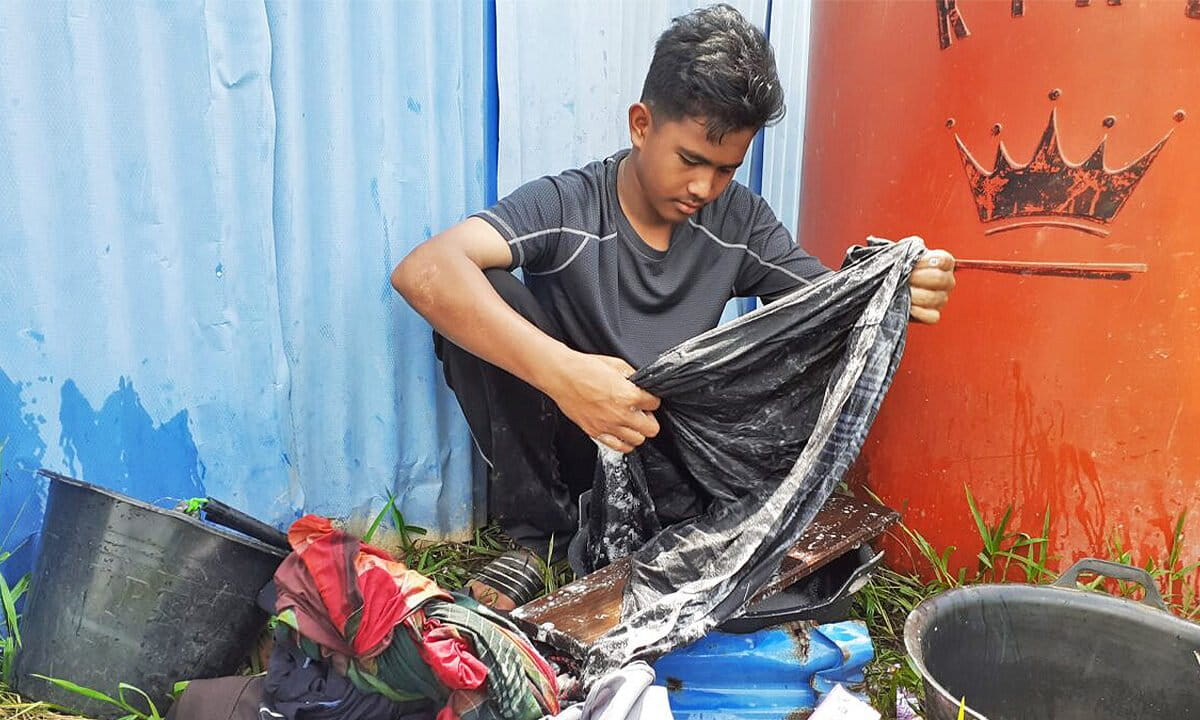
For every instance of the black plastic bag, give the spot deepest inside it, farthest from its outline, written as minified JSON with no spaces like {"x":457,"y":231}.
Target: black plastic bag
{"x":767,"y":412}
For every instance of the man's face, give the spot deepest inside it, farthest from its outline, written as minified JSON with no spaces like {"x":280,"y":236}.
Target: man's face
{"x":679,"y":168}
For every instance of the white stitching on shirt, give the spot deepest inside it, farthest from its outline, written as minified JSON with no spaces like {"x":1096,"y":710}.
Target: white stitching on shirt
{"x":509,"y":230}
{"x":749,"y":252}
{"x":582,"y":245}
{"x":548,"y":231}
{"x":498,"y":219}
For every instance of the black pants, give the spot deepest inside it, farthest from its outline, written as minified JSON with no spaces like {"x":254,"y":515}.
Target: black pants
{"x":540,"y":461}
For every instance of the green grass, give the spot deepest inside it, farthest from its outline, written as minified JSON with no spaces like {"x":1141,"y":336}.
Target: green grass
{"x":12,"y":637}
{"x":9,"y":596}
{"x":11,"y":705}
{"x":1176,"y":581}
{"x":451,"y":564}
{"x":883,"y":605}
{"x":127,"y":696}
{"x":1006,"y":555}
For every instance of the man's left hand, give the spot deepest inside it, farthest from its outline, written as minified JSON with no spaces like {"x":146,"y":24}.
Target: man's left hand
{"x":931,"y":282}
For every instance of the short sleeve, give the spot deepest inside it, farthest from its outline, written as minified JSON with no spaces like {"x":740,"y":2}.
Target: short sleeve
{"x":530,"y":219}
{"x":776,"y":265}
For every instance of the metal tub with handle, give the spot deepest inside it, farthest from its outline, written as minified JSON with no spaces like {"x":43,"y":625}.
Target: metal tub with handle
{"x":1024,"y":652}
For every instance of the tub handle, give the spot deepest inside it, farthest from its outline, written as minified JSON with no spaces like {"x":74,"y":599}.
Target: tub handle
{"x":1107,"y":568}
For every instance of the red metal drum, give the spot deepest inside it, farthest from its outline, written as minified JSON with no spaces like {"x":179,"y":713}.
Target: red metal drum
{"x":1078,"y":394}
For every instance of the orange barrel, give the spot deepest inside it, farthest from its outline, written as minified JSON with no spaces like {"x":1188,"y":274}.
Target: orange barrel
{"x":1033,"y":131}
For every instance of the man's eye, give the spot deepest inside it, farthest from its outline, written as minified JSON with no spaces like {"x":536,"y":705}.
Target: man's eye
{"x":688,"y":161}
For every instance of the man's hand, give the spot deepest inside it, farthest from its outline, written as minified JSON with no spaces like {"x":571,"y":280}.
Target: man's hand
{"x":595,"y":393}
{"x":931,"y":283}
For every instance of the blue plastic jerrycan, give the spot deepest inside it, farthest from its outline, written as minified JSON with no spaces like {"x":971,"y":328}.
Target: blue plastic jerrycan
{"x":767,"y":675}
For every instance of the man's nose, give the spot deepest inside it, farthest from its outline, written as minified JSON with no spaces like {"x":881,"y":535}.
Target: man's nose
{"x":700,"y":186}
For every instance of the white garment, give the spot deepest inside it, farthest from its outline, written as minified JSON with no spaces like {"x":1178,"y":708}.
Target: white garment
{"x":839,"y":704}
{"x":626,"y":694}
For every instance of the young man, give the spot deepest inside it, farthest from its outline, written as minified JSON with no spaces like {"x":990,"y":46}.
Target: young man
{"x":623,"y":259}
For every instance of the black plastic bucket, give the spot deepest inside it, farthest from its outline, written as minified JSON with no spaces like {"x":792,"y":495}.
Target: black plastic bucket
{"x":127,"y":592}
{"x":1026,"y":652}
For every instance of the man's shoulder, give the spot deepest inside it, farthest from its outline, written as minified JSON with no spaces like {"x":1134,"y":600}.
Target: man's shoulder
{"x":590,"y":175}
{"x":580,"y":184}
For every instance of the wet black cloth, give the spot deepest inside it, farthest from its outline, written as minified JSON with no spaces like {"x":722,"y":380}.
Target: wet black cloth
{"x":298,"y":687}
{"x":767,"y":412}
{"x":539,"y":460}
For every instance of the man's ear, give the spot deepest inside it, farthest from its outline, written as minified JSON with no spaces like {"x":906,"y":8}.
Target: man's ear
{"x":640,"y":124}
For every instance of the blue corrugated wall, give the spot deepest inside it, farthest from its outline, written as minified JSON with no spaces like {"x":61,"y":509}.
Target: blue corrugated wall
{"x":379,"y":143}
{"x":200,"y":203}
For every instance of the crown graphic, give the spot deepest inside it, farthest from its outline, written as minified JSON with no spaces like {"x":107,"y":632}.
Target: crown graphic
{"x":1049,"y":186}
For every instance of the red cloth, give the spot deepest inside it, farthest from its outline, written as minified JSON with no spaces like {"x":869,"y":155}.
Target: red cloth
{"x":450,"y":658}
{"x":365,"y":592}
{"x":295,"y":590}
{"x":349,"y":597}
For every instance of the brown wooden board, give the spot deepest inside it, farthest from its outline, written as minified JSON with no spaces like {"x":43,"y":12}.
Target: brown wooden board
{"x":573,"y":618}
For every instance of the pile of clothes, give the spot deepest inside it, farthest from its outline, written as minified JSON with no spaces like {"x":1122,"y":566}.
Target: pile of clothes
{"x":394,"y":632}
{"x":360,"y":636}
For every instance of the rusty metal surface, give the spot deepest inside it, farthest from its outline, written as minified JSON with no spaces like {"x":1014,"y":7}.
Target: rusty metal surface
{"x":1036,"y":392}
{"x":580,"y":612}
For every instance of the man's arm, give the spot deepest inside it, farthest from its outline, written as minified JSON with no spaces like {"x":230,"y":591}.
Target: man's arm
{"x":443,"y":280}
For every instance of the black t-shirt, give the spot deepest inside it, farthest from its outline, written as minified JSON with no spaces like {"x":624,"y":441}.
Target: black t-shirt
{"x":613,"y":294}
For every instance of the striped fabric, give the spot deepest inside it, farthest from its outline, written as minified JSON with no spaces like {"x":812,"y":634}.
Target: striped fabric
{"x":769,"y":411}
{"x":394,"y":632}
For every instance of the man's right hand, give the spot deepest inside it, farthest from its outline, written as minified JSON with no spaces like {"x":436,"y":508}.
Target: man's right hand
{"x":595,"y":393}
{"x":443,"y":280}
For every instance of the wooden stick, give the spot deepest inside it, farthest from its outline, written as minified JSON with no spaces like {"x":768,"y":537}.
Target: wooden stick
{"x":1091,"y":271}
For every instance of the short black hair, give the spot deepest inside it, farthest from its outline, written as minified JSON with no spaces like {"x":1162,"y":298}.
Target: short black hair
{"x":714,"y":64}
